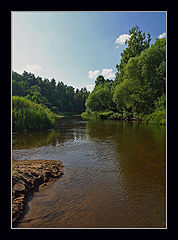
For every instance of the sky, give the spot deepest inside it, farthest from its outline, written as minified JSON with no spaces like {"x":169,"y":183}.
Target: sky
{"x":76,"y":47}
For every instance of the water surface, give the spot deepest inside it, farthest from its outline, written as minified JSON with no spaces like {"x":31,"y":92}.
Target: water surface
{"x":114,"y":175}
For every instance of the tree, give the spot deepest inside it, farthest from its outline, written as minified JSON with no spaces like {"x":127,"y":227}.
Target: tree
{"x":153,"y":67}
{"x":17,"y":88}
{"x":143,"y":80}
{"x":58,"y":98}
{"x":137,"y":43}
{"x":99,"y":80}
{"x":101,"y":98}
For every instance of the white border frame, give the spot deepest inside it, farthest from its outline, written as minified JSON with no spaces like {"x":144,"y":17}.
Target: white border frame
{"x":11,"y":110}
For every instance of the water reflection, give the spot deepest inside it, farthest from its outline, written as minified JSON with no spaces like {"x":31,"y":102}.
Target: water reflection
{"x":34,"y":139}
{"x":67,"y":131}
{"x":141,"y":164}
{"x":115,"y":174}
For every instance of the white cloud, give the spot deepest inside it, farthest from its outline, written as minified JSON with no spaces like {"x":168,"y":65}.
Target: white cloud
{"x":18,"y":70}
{"x":163,"y":35}
{"x":122,"y":38}
{"x":36,"y":69}
{"x":108,"y":73}
{"x":90,"y":87}
{"x":93,"y":74}
{"x":33,"y":68}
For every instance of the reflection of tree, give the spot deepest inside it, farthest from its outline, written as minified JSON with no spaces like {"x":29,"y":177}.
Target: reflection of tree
{"x":100,"y":129}
{"x":69,"y":129}
{"x":140,"y":163}
{"x":33,"y":139}
{"x":128,"y":136}
{"x":141,"y":149}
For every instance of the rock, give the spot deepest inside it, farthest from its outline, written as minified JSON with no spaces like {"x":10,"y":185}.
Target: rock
{"x":27,"y":176}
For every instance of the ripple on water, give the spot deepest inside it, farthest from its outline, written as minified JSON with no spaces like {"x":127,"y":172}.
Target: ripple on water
{"x":114,"y":176}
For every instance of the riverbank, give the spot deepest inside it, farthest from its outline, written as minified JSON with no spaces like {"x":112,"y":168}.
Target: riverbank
{"x":29,"y":176}
{"x":157,"y":117}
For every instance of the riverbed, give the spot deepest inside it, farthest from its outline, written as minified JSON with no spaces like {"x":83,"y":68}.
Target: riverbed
{"x":114,"y":175}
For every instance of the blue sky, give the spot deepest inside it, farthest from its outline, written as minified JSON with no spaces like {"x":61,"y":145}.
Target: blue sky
{"x":75,"y":47}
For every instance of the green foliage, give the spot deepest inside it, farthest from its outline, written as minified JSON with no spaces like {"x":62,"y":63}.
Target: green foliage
{"x":139,"y":89}
{"x":90,"y":115}
{"x":101,"y":115}
{"x":160,"y":104}
{"x":116,"y":116}
{"x":142,"y":82}
{"x":157,"y":117}
{"x":105,"y":115}
{"x":58,"y":98}
{"x":99,"y":80}
{"x":137,"y":43}
{"x":101,"y":98}
{"x":28,"y":115}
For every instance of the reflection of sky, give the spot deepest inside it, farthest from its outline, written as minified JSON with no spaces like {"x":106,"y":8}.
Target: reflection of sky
{"x":123,"y":165}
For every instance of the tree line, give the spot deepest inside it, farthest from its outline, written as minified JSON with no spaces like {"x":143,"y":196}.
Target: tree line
{"x":58,"y":97}
{"x":139,"y":88}
{"x":38,"y":104}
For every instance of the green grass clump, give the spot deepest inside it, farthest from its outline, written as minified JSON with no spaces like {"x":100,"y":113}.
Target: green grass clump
{"x":97,"y":115}
{"x":157,"y":117}
{"x":28,"y":115}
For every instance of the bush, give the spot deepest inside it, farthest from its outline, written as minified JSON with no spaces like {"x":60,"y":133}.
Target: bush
{"x":96,"y":115}
{"x":116,"y":116}
{"x":105,"y":115}
{"x":157,"y":117}
{"x":28,"y":115}
{"x":90,"y":115}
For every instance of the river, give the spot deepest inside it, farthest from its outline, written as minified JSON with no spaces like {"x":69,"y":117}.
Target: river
{"x":114,"y":175}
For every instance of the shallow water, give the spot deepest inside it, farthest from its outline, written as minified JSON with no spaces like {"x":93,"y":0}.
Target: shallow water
{"x":114,"y":175}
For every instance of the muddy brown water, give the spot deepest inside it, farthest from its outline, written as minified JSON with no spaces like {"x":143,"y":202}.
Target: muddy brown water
{"x":114,"y":175}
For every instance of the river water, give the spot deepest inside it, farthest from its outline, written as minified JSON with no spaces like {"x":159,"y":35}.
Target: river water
{"x":114,"y":175}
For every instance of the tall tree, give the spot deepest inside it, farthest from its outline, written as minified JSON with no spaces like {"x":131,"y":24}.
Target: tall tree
{"x":99,"y":80}
{"x":137,"y":43}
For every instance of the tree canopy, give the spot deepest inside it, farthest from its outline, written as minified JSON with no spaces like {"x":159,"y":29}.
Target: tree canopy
{"x":139,"y":88}
{"x":136,"y":43}
{"x":58,"y":97}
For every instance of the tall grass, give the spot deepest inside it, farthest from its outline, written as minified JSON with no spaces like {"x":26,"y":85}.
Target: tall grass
{"x":157,"y":117}
{"x":28,"y":115}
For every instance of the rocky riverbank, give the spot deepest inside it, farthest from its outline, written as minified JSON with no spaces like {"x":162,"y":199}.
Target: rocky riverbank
{"x":28,"y":176}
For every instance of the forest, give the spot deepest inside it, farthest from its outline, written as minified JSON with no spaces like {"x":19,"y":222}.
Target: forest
{"x":138,"y":91}
{"x":38,"y":104}
{"x":58,"y":97}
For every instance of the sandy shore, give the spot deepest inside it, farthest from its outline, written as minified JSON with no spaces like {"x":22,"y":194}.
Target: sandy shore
{"x":28,"y":176}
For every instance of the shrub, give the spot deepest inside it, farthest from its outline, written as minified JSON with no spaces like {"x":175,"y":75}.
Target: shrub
{"x":28,"y":115}
{"x":105,"y":115}
{"x":157,"y":117}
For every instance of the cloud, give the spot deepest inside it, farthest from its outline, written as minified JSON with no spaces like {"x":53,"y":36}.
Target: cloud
{"x":18,"y":70}
{"x":122,"y":38}
{"x":93,"y":74}
{"x":163,"y":35}
{"x":108,"y":73}
{"x":90,"y":87}
{"x":29,"y":68}
{"x":33,"y":68}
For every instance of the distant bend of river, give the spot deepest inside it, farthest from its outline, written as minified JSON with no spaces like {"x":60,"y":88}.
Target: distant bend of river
{"x":114,"y":175}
